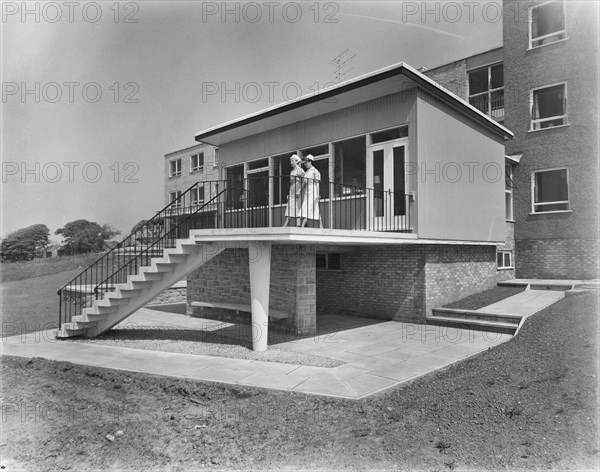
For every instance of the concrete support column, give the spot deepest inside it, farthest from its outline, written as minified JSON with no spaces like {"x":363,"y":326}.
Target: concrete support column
{"x":259,"y":259}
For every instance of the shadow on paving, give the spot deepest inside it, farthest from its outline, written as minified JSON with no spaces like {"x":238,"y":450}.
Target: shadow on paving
{"x":241,"y":333}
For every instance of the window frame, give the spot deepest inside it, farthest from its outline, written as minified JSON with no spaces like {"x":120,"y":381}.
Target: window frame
{"x":327,"y":264}
{"x":509,"y":170}
{"x":174,"y":195}
{"x":177,"y":172}
{"x":555,"y":33}
{"x":198,"y":167}
{"x":197,"y":201}
{"x":533,"y":204}
{"x":488,"y":93}
{"x":564,"y":116}
{"x":505,"y":252}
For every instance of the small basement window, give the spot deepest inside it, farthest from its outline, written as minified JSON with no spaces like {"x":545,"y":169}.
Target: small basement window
{"x":329,"y":261}
{"x":504,"y":259}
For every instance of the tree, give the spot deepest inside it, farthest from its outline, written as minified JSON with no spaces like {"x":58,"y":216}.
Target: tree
{"x":25,"y":243}
{"x":82,"y":236}
{"x":146,"y":232}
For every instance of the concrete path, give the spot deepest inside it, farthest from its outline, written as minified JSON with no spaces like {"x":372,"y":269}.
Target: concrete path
{"x":525,"y":303}
{"x":378,"y":355}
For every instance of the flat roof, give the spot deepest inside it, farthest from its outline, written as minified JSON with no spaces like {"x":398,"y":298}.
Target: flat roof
{"x":388,"y":80}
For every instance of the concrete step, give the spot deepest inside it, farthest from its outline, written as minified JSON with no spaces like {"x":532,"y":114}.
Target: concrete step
{"x":475,"y":315}
{"x":555,"y":287}
{"x":475,"y":325}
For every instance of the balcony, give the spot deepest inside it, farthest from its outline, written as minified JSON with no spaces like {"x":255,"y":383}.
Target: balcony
{"x":262,"y":202}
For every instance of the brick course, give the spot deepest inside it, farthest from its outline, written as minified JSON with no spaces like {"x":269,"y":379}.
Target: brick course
{"x":404,"y":283}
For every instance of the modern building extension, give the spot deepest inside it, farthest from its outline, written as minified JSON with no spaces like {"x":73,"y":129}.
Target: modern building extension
{"x":408,"y":220}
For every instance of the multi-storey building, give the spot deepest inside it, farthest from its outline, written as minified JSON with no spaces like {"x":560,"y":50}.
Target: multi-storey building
{"x":551,"y":102}
{"x":534,"y":85}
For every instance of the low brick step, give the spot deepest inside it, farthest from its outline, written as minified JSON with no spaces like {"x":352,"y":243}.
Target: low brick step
{"x":476,"y":315}
{"x":475,"y":325}
{"x":275,"y":314}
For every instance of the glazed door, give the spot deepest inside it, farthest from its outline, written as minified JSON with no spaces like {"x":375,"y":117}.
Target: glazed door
{"x":386,"y":178}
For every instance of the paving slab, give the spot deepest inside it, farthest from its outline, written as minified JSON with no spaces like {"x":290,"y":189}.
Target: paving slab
{"x":378,"y":355}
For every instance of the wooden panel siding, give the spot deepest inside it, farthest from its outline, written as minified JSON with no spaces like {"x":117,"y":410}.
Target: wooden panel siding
{"x":384,"y":112}
{"x":451,"y":204}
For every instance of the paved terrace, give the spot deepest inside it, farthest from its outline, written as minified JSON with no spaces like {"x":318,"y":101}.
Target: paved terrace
{"x":378,"y":355}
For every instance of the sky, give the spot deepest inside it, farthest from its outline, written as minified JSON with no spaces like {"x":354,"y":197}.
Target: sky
{"x":94,"y":94}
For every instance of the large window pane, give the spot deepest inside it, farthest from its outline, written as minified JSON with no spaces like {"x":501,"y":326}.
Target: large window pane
{"x":551,"y":191}
{"x":551,"y":186}
{"x":547,"y":19}
{"x":548,"y":102}
{"x":399,"y":200}
{"x":478,"y":81}
{"x":350,"y":166}
{"x":497,"y":76}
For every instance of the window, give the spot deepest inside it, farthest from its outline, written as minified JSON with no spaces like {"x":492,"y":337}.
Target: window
{"x":549,"y":107}
{"x":547,"y":24}
{"x":504,"y":259}
{"x":550,"y":190}
{"x":486,"y":90}
{"x":197,"y":195}
{"x":321,"y":163}
{"x":508,"y":191}
{"x":389,"y":134}
{"x":197,"y":162}
{"x":175,"y":168}
{"x":329,"y":261}
{"x":350,"y":166}
{"x":281,"y":177}
{"x":235,"y":186}
{"x":174,"y":196}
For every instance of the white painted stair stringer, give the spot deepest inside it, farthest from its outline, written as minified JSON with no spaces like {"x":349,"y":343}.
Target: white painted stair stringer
{"x":175,"y":264}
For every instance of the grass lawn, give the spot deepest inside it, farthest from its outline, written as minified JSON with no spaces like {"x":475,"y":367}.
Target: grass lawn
{"x":530,"y":403}
{"x":12,"y":271}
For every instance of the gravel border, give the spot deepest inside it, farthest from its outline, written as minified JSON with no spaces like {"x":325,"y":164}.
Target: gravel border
{"x":205,"y":343}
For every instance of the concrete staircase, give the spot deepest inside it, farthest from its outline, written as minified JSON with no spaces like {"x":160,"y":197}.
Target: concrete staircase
{"x":175,"y":264}
{"x":474,"y":320}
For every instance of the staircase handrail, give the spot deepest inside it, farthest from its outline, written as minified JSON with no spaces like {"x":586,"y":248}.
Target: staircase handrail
{"x":120,"y":245}
{"x":163,"y":237}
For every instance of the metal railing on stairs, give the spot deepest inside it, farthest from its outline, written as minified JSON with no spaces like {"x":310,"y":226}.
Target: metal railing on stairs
{"x":184,"y":213}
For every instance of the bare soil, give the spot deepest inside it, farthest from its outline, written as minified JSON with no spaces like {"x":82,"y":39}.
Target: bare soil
{"x":531,"y":403}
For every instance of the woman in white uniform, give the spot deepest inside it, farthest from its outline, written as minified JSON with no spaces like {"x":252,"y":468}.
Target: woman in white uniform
{"x":310,"y":202}
{"x":294,"y":205}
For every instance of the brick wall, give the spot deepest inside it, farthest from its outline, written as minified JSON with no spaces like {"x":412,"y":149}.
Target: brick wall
{"x":226,"y":278}
{"x":403,"y":283}
{"x":558,"y":258}
{"x":451,"y":76}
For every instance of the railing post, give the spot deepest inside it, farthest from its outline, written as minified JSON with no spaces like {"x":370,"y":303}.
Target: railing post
{"x":330,"y":205}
